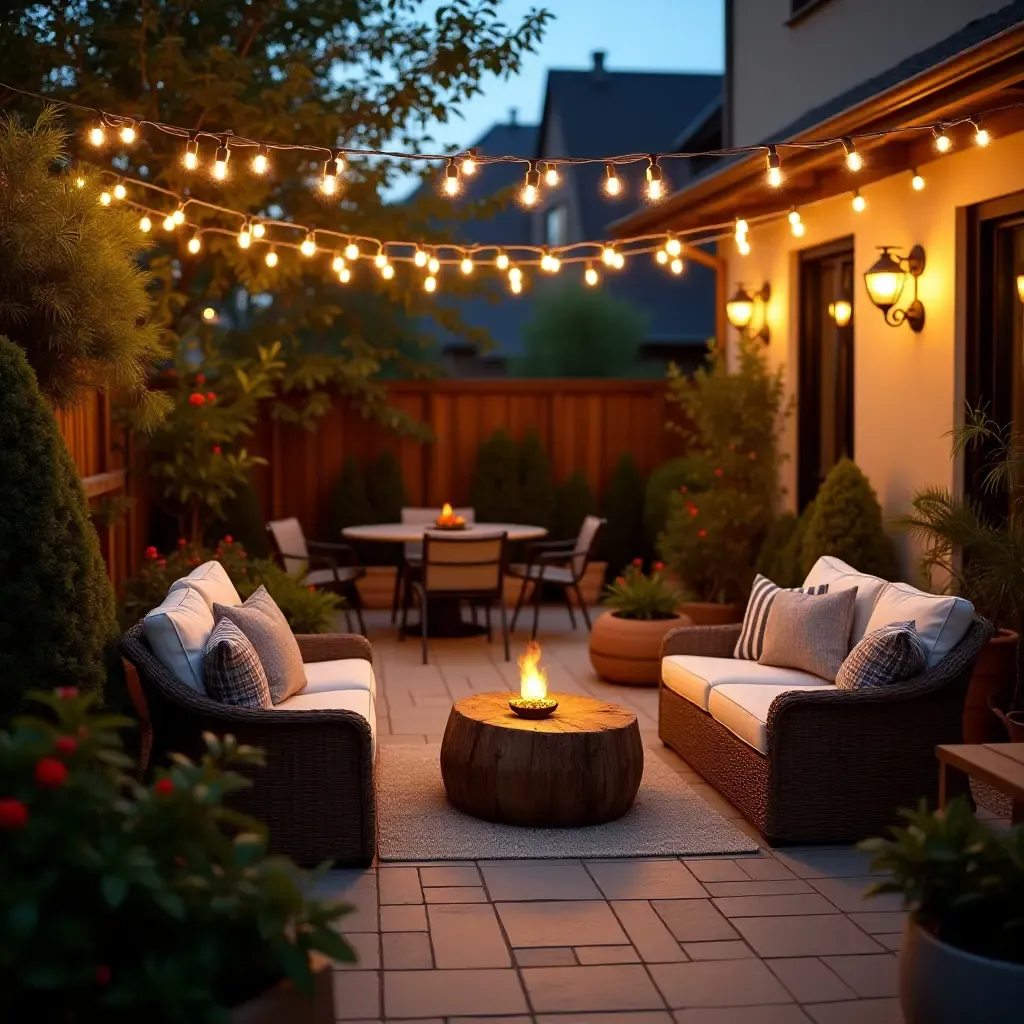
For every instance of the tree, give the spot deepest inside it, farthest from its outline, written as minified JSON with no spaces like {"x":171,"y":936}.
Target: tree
{"x":362,"y":73}
{"x":71,"y":295}
{"x":58,"y":624}
{"x":577,"y":332}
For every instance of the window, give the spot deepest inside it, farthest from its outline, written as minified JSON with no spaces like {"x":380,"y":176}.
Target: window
{"x":556,"y":225}
{"x":825,"y":366}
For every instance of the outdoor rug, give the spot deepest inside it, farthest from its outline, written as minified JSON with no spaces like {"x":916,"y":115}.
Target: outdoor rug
{"x":415,"y":821}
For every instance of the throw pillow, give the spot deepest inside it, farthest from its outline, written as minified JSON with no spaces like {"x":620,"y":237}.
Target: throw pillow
{"x":762,"y":595}
{"x":809,"y":632}
{"x":234,"y":674}
{"x":264,"y":624}
{"x":884,"y":656}
{"x":177,"y":631}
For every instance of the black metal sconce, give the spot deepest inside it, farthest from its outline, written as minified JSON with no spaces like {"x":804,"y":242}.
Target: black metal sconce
{"x":740,"y":311}
{"x":885,"y":280}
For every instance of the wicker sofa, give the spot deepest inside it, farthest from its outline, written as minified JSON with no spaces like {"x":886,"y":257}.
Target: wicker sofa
{"x":814,"y":764}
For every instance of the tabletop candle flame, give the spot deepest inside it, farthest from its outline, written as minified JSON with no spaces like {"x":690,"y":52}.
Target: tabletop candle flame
{"x":449,"y":518}
{"x":533,"y":680}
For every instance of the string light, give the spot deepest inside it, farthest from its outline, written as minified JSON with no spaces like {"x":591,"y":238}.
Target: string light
{"x":209,"y":313}
{"x":433,"y":264}
{"x":515,"y":286}
{"x":655,"y":182}
{"x":469,"y":163}
{"x":120,"y":191}
{"x":191,"y":157}
{"x":515,"y":280}
{"x":380,"y":261}
{"x":501,"y":260}
{"x":145,"y":225}
{"x":612,"y":182}
{"x":308,"y":247}
{"x":943,"y":143}
{"x":344,"y":275}
{"x":743,"y":247}
{"x":351,"y":252}
{"x":105,"y":198}
{"x":854,"y":161}
{"x":245,"y":236}
{"x":419,"y":257}
{"x":796,"y":224}
{"x":619,"y":261}
{"x":332,"y":168}
{"x":677,"y":266}
{"x":97,"y":136}
{"x":742,"y":227}
{"x":551,"y":176}
{"x":661,"y":256}
{"x":169,"y":224}
{"x":774,"y":167}
{"x":982,"y":136}
{"x":387,"y":272}
{"x":220,"y":162}
{"x":466,"y":266}
{"x":916,"y":180}
{"x":608,"y":255}
{"x":271,"y":258}
{"x":128,"y":133}
{"x":452,"y":184}
{"x":259,"y":229}
{"x":590,"y":275}
{"x":531,"y":189}
{"x":430,"y":283}
{"x":673,"y":246}
{"x":859,"y":203}
{"x":261,"y":161}
{"x":195,"y":244}
{"x":338,"y":263}
{"x":179,"y":214}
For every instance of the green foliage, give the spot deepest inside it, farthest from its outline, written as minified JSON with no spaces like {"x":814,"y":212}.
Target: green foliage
{"x":536,"y":490}
{"x":581,"y":332}
{"x":307,"y":609}
{"x":732,"y":421}
{"x":126,"y":902}
{"x":636,"y":596}
{"x":623,"y":537}
{"x":349,"y":501}
{"x":243,"y":519}
{"x":71,"y":294}
{"x":496,"y":490}
{"x":773,"y":560}
{"x":574,"y":501}
{"x":847,"y":523}
{"x":385,"y":488}
{"x":57,"y":617}
{"x":963,"y":880}
{"x":670,"y":477}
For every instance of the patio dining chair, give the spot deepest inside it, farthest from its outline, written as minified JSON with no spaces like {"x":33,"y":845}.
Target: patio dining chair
{"x":456,"y":569}
{"x":327,"y":565}
{"x":411,"y":555}
{"x":561,"y":562}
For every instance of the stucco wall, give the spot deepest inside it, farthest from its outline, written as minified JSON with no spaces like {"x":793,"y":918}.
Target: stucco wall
{"x":780,"y":71}
{"x":908,"y":388}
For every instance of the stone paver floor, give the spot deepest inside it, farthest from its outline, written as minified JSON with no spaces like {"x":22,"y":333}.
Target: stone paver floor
{"x":780,"y":937}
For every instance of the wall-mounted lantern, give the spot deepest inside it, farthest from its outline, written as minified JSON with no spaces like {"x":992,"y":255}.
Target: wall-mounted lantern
{"x":885,"y":280}
{"x":841,"y":311}
{"x":740,"y":310}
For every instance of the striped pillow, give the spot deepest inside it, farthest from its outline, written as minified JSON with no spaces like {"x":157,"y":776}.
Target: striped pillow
{"x":886,"y":655}
{"x":233,"y":670}
{"x":755,"y":619}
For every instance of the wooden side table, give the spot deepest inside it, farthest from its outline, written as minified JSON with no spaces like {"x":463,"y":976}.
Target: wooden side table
{"x":1001,"y":765}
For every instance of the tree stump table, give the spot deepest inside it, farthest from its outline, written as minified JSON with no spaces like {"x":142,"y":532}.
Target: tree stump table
{"x":580,"y":766}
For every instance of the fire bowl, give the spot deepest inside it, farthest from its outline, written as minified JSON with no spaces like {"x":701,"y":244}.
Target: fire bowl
{"x":449,"y":526}
{"x":533,"y":707}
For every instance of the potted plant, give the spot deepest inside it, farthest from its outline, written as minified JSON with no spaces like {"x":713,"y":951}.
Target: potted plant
{"x":962,"y":956}
{"x":625,"y":643}
{"x":979,"y":554}
{"x":125,"y":901}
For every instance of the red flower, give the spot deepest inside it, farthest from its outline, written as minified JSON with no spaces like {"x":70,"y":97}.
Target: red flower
{"x":620,"y":580}
{"x":50,"y":773}
{"x":311,"y":588}
{"x":658,"y":566}
{"x":162,"y":562}
{"x":732,"y":447}
{"x":638,"y":562}
{"x":210,"y":396}
{"x":196,"y":398}
{"x":182,"y":542}
{"x":753,"y":455}
{"x":693,"y":510}
{"x":103,"y":975}
{"x":684,"y":489}
{"x":702,"y":533}
{"x":200,"y":379}
{"x":67,"y":692}
{"x":228,"y":539}
{"x":172,"y":373}
{"x":13,"y":815}
{"x":216,"y":449}
{"x":163,"y":787}
{"x":151,"y":553}
{"x":718,"y":472}
{"x":66,"y":745}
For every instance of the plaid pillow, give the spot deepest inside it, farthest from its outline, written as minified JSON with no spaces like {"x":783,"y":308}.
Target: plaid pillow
{"x":234,"y":673}
{"x":884,"y":656}
{"x":762,"y":595}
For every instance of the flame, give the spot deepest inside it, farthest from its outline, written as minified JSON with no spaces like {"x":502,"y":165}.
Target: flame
{"x":446,"y":511}
{"x":533,"y":680}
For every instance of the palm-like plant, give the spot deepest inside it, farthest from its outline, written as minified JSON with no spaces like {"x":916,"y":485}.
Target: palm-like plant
{"x":981,"y":554}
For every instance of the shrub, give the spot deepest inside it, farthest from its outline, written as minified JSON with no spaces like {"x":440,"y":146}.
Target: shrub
{"x":636,"y":596}
{"x":57,"y":616}
{"x":668,"y":478}
{"x":847,"y":523}
{"x":574,"y":501}
{"x":536,"y":491}
{"x":349,"y":503}
{"x":243,"y":519}
{"x":772,"y":559}
{"x":623,"y":539}
{"x":385,"y":489}
{"x":496,"y":493}
{"x":581,"y":332}
{"x":126,"y":902}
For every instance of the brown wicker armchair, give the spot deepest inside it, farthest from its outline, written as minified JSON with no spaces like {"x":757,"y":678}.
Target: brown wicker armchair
{"x":839,"y":763}
{"x":316,"y":792}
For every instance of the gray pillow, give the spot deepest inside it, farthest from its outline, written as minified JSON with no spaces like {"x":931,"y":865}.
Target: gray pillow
{"x":810,"y":632}
{"x":232,"y":668}
{"x":264,"y":624}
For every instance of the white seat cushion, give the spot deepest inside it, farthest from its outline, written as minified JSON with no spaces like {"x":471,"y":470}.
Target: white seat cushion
{"x":551,"y":573}
{"x":177,"y":631}
{"x":941,"y":621}
{"x":743,"y":707}
{"x":359,"y":701}
{"x":212,"y":581}
{"x":694,"y":676}
{"x":319,"y":577}
{"x":343,"y":674}
{"x":839,"y":576}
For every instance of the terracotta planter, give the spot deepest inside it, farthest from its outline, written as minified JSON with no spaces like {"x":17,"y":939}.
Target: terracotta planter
{"x":285,"y":1004}
{"x":629,"y":650}
{"x":993,"y":675}
{"x":591,"y":585}
{"x":940,"y":984}
{"x":710,"y":613}
{"x":377,"y":587}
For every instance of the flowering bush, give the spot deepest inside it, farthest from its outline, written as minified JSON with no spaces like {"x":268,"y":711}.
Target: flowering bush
{"x":636,"y":596}
{"x":124,"y":902}
{"x":307,"y":609}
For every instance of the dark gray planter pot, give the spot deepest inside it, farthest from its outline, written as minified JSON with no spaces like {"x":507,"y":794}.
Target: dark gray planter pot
{"x":940,"y":984}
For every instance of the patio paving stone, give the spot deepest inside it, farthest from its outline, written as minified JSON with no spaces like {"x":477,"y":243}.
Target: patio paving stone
{"x":446,"y":875}
{"x":727,"y":950}
{"x":871,"y":976}
{"x":399,"y":885}
{"x":557,"y":923}
{"x":356,"y":995}
{"x":644,"y":879}
{"x":848,"y":895}
{"x":773,"y":906}
{"x":607,"y":955}
{"x":878,"y":924}
{"x":406,"y":951}
{"x":809,"y":979}
{"x":719,"y":983}
{"x":609,"y":987}
{"x":716,"y":870}
{"x":367,"y":949}
{"x":455,"y":894}
{"x":813,"y":935}
{"x":783,"y":887}
{"x":467,"y":935}
{"x":647,"y":931}
{"x":825,"y":862}
{"x":538,"y":880}
{"x":640,"y":1017}
{"x":452,"y":993}
{"x":555,"y":956}
{"x":779,"y":1014}
{"x":403,"y":919}
{"x":694,"y":920}
{"x":765,"y":869}
{"x":863,"y":1011}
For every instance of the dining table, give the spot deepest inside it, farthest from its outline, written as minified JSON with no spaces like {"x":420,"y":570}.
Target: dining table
{"x":445,"y":617}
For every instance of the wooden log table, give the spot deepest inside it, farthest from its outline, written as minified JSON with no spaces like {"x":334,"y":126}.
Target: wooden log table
{"x":1001,"y":765}
{"x":580,"y":766}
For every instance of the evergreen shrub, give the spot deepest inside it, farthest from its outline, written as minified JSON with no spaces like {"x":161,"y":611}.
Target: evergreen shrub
{"x":623,"y":539}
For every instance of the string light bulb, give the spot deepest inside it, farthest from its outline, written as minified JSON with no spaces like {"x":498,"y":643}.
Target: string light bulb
{"x":387,"y":271}
{"x":433,"y":264}
{"x":120,"y":191}
{"x":127,"y":132}
{"x":195,"y":244}
{"x":97,"y":136}
{"x":742,"y":227}
{"x":261,"y":161}
{"x":419,"y":257}
{"x":916,"y":180}
{"x":271,"y":258}
{"x":743,"y":246}
{"x":308,"y":247}
{"x":982,"y":136}
{"x":105,"y":198}
{"x":612,"y":181}
{"x":380,"y":261}
{"x":179,"y":214}
{"x":774,"y":165}
{"x":673,"y":246}
{"x":169,"y":224}
{"x":329,"y":182}
{"x":259,"y":229}
{"x":551,"y":176}
{"x":943,"y":143}
{"x":351,"y":252}
{"x":661,"y":256}
{"x":451,"y":179}
{"x":430,"y":283}
{"x":191,"y":157}
{"x":209,"y":313}
{"x":515,"y":280}
{"x":619,"y":261}
{"x":676,"y":266}
{"x":859,"y":203}
{"x":590,"y":275}
{"x":220,"y":161}
{"x":550,"y":264}
{"x":344,"y":275}
{"x":501,"y":261}
{"x":608,"y":255}
{"x":531,"y":188}
{"x":466,"y":266}
{"x":245,"y":236}
{"x":145,"y":225}
{"x":854,"y":161}
{"x":469,"y":163}
{"x":338,"y":263}
{"x":796,"y":224}
{"x":655,"y":182}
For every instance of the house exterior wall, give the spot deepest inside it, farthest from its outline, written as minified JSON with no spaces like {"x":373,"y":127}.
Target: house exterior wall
{"x":908,"y":388}
{"x":567,"y":194}
{"x":778,"y":71}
